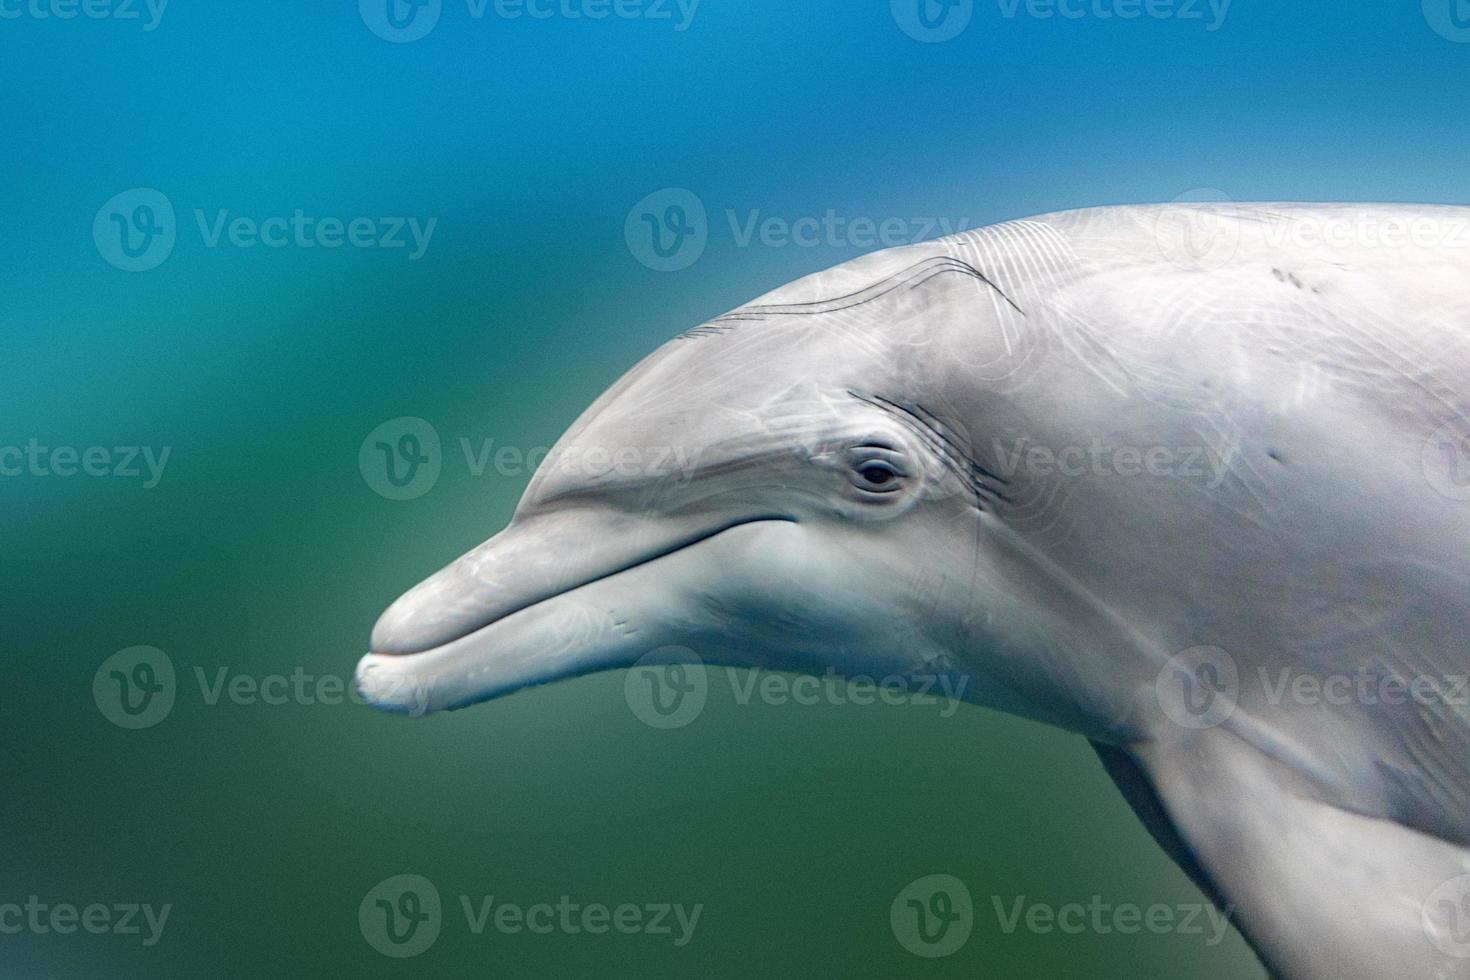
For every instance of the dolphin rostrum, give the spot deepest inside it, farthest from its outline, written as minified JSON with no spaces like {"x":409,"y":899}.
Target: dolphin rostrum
{"x":1192,"y":481}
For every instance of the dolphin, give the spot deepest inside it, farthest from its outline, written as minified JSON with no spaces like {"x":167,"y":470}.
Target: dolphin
{"x":1191,"y":481}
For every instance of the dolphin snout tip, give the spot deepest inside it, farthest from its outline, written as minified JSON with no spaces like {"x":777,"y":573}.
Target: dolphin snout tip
{"x":387,"y":682}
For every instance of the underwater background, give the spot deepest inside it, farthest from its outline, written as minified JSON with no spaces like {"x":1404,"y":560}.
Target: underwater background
{"x":246,"y":243}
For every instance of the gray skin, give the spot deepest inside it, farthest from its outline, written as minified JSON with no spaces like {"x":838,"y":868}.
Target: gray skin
{"x":1145,"y":474}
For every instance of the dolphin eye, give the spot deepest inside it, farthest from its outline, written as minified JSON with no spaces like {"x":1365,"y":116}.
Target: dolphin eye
{"x":878,"y":474}
{"x":877,"y":470}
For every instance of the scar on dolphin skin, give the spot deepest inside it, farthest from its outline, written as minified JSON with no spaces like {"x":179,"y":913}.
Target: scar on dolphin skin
{"x":912,"y":277}
{"x":931,"y":430}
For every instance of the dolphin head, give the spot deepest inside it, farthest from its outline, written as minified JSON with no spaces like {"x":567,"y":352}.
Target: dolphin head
{"x":787,"y":486}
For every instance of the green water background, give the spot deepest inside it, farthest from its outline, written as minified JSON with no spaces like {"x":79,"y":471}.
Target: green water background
{"x":263,"y":550}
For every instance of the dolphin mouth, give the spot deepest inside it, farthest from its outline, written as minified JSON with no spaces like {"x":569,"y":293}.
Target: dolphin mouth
{"x":476,"y":630}
{"x":495,"y":581}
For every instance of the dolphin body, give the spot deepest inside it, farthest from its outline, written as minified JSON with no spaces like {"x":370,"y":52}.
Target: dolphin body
{"x":1190,"y":481}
